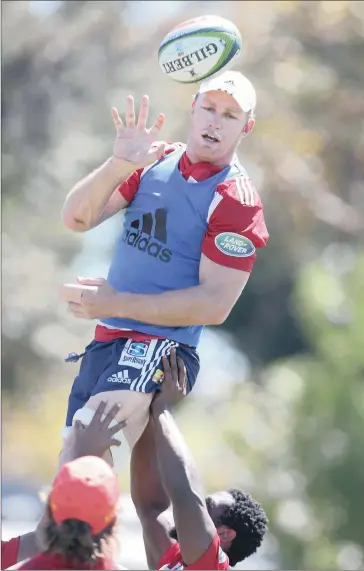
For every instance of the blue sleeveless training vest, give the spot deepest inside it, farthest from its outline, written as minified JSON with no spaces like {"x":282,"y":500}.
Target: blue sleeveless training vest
{"x":160,"y":245}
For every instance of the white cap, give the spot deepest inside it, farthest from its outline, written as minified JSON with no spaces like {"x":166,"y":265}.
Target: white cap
{"x":234,"y":83}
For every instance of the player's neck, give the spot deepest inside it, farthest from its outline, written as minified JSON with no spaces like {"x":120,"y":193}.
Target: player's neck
{"x":220,"y":162}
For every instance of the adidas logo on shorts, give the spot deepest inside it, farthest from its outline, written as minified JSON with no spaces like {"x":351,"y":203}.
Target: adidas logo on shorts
{"x":120,"y":377}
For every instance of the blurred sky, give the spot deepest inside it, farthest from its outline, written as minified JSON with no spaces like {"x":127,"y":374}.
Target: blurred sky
{"x":142,"y":12}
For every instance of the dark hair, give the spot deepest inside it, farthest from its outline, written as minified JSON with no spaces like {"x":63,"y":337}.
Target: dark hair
{"x":248,"y":519}
{"x":73,"y":540}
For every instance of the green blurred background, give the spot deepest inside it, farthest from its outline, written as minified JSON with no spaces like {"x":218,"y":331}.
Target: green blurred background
{"x":279,"y":410}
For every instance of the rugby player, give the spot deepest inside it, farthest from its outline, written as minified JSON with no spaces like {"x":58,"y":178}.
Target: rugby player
{"x":78,"y":530}
{"x":92,"y":440}
{"x":207,"y":533}
{"x":193,"y":222}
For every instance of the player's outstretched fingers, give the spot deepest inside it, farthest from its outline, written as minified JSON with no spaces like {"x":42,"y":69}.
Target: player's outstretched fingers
{"x":130,"y":112}
{"x":143,"y":113}
{"x":182,"y":375}
{"x":174,"y":367}
{"x":119,"y":426}
{"x":96,"y":419}
{"x":118,"y":124}
{"x":157,"y":127}
{"x":166,"y":368}
{"x":111,"y":414}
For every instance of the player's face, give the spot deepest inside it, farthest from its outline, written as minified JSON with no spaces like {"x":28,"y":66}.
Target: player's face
{"x":217,"y":123}
{"x":217,"y":503}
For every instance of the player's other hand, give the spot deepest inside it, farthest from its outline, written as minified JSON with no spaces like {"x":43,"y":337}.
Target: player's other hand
{"x":134,"y":142}
{"x":90,"y":298}
{"x":98,"y":436}
{"x":174,"y":386}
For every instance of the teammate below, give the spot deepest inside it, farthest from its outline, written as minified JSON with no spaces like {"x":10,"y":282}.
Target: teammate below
{"x":92,"y":440}
{"x":226,"y":525}
{"x":79,"y":527}
{"x":193,"y":222}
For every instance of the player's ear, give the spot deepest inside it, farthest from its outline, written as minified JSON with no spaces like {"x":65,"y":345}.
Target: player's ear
{"x":226,"y":535}
{"x":249,"y":126}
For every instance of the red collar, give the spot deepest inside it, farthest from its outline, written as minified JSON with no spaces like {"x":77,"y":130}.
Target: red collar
{"x":198,"y":171}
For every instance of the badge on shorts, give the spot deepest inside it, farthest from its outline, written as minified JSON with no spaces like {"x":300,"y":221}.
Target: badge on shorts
{"x":158,"y":376}
{"x":138,"y":349}
{"x":135,"y":353}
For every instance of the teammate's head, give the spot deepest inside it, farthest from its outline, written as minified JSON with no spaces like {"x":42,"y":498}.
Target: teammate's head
{"x":224,"y":110}
{"x":81,"y":511}
{"x":240,"y":522}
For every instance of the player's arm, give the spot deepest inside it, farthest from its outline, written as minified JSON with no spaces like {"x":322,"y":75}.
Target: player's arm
{"x":9,"y":552}
{"x":19,"y":548}
{"x":195,"y":529}
{"x":97,"y":196}
{"x":236,"y":228}
{"x":209,"y":303}
{"x":150,"y":498}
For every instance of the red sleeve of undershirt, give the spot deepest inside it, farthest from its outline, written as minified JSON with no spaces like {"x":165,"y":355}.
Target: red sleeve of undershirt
{"x":9,"y":552}
{"x":236,"y":226}
{"x":130,"y":186}
{"x":43,"y":561}
{"x":171,"y":557}
{"x":213,"y":558}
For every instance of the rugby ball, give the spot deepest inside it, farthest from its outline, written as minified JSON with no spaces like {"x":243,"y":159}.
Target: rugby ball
{"x":199,"y":48}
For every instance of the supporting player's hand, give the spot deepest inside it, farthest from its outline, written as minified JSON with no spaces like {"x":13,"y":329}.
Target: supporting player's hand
{"x":134,"y":142}
{"x":90,"y":298}
{"x":98,"y":436}
{"x":174,"y":386}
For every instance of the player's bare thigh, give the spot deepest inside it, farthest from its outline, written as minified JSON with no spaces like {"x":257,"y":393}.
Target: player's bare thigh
{"x":134,"y":408}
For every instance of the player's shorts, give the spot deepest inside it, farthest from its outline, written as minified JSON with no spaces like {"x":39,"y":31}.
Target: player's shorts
{"x":124,"y":364}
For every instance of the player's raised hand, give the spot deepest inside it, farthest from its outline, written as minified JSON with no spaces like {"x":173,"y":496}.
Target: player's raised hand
{"x":135,"y":142}
{"x":174,"y":387}
{"x":98,"y":436}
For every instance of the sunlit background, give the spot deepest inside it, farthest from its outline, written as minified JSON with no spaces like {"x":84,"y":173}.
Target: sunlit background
{"x":279,"y":405}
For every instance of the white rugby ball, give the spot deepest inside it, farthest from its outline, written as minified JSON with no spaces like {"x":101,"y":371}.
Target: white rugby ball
{"x":199,"y":48}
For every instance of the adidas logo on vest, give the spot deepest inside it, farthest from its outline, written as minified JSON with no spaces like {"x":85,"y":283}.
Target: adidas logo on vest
{"x":154,"y":225}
